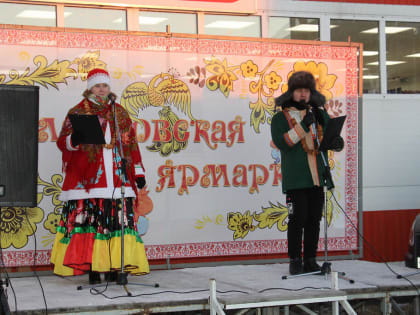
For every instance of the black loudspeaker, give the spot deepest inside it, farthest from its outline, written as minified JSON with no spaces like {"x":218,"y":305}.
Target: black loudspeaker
{"x":19,"y":115}
{"x":412,"y":257}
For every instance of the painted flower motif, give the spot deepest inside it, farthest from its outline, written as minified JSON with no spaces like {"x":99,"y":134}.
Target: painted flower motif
{"x":334,"y":108}
{"x":52,"y":189}
{"x":17,"y":224}
{"x":223,"y":76}
{"x":88,"y":62}
{"x":324,"y":81}
{"x":265,"y":103}
{"x":272,"y":215}
{"x":272,"y":80}
{"x":249,"y":69}
{"x":52,"y":222}
{"x":239,"y":223}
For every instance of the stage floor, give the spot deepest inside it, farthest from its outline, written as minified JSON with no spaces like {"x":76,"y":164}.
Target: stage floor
{"x":238,"y":286}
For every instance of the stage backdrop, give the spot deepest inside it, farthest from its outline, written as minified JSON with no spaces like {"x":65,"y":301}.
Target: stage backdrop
{"x":203,"y":109}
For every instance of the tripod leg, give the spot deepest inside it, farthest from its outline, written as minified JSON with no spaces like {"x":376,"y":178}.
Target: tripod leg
{"x":126,"y":290}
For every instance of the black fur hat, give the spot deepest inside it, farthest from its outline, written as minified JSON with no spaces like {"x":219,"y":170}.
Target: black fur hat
{"x":301,"y":79}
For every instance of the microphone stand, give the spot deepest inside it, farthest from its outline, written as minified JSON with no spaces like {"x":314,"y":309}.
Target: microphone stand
{"x":122,"y":275}
{"x":326,"y":266}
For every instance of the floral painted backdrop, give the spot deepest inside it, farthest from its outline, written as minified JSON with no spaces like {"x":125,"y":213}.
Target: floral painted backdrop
{"x":202,"y":110}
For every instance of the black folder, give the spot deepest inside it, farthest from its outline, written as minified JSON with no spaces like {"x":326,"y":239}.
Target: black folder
{"x":89,"y":127}
{"x":334,"y":127}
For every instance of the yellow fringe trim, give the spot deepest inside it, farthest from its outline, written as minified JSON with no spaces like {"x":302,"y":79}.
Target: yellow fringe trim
{"x":135,"y":260}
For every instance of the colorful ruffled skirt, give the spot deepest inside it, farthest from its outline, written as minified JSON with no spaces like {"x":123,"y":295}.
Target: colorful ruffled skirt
{"x":89,"y":238}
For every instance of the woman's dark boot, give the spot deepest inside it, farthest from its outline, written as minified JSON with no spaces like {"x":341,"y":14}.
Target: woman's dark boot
{"x":295,"y":266}
{"x":94,"y":277}
{"x":111,"y":276}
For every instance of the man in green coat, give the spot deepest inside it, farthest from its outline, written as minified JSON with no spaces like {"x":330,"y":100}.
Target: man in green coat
{"x":297,"y":131}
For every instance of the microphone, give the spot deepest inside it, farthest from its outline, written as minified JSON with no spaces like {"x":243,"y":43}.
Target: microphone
{"x":303,"y":104}
{"x":112,"y":97}
{"x":309,"y":109}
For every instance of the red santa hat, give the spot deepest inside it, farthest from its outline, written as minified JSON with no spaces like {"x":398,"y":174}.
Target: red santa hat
{"x":97,"y":76}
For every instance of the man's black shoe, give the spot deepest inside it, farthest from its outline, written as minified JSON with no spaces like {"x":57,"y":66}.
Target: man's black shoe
{"x":310,"y":265}
{"x":94,"y":277}
{"x":295,"y":266}
{"x":111,"y":276}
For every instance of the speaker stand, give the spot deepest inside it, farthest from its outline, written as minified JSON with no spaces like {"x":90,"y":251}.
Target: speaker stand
{"x":4,"y":309}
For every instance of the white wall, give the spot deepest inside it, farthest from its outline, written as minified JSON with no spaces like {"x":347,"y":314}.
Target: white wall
{"x":390,"y":152}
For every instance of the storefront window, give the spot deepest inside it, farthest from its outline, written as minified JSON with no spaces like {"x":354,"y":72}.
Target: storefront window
{"x":227,"y":25}
{"x":178,"y":22}
{"x":25,"y":14}
{"x":293,"y":28}
{"x":95,"y":18}
{"x":361,"y":32}
{"x":403,"y":57}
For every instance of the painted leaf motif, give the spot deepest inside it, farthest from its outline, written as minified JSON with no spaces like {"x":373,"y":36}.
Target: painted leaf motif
{"x":258,"y":115}
{"x":330,"y":208}
{"x":275,"y":214}
{"x":56,"y":72}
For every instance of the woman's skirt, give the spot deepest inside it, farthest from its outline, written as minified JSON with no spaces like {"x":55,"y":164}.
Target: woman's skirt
{"x":89,"y":238}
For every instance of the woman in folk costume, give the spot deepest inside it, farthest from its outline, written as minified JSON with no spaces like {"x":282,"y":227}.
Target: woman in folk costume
{"x":294,"y":130}
{"x":89,"y":234}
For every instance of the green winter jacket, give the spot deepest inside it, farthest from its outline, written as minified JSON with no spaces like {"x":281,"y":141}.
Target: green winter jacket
{"x":299,"y":169}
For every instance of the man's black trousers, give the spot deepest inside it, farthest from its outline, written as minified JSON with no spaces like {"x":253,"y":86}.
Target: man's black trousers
{"x":305,"y":213}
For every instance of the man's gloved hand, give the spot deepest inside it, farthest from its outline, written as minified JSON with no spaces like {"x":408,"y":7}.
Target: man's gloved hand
{"x":337,"y":144}
{"x":76,"y":138}
{"x":309,"y":119}
{"x":141,"y":182}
